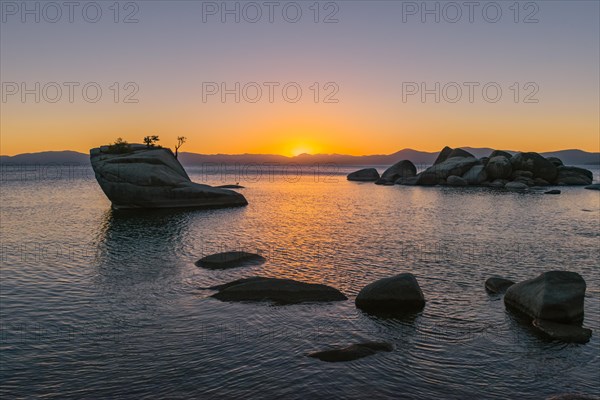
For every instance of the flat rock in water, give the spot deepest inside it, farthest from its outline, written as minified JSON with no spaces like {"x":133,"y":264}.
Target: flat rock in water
{"x":280,"y":291}
{"x":572,"y":396}
{"x":554,"y":191}
{"x":563,"y":332}
{"x":352,"y":352}
{"x":498,"y":285}
{"x":230,"y":187}
{"x":230,"y":259}
{"x":595,"y":186}
{"x":364,"y":175}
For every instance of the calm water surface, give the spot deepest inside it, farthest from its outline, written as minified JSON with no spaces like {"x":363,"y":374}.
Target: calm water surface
{"x":96,"y":303}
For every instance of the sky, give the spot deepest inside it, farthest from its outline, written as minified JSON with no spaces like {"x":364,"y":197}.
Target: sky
{"x":351,"y":77}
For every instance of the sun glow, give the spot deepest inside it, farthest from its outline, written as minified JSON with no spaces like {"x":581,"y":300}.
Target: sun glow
{"x":296,"y":151}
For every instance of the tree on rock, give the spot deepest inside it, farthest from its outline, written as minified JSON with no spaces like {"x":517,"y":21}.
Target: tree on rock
{"x":151,"y":141}
{"x":180,"y":141}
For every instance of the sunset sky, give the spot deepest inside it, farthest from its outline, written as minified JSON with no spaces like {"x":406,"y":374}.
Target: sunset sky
{"x":177,"y":49}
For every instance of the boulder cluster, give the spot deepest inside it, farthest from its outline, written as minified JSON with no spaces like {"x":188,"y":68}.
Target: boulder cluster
{"x":501,"y":169}
{"x":553,"y":301}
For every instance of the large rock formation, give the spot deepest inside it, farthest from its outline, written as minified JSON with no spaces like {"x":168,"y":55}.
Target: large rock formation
{"x":364,"y":175}
{"x":142,"y":177}
{"x":553,"y":296}
{"x":280,"y":291}
{"x":398,"y":294}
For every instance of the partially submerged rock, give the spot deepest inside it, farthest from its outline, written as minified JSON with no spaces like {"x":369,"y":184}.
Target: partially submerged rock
{"x":398,"y":294}
{"x":142,"y":177}
{"x":553,"y":191}
{"x":454,"y":180}
{"x":498,"y":285}
{"x":230,"y":186}
{"x":402,"y":169}
{"x":516,"y":186}
{"x":553,"y":296}
{"x":452,"y":166}
{"x":563,"y":332}
{"x":364,"y":175}
{"x":573,"y":176}
{"x":280,"y":291}
{"x":352,"y":352}
{"x":230,"y":259}
{"x":595,"y":186}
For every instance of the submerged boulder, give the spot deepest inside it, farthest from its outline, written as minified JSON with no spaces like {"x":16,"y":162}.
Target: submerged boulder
{"x":568,"y":176}
{"x":553,"y":296}
{"x":280,"y":291}
{"x":402,"y":169}
{"x":352,"y":352}
{"x":400,"y":294}
{"x":230,"y":259}
{"x":364,"y":175}
{"x":498,"y":285}
{"x":563,"y":332}
{"x":142,"y":177}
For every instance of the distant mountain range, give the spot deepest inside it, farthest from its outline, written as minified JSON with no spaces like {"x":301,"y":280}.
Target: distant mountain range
{"x":569,"y":157}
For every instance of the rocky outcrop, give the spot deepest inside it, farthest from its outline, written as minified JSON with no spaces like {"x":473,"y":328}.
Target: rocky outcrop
{"x":443,"y":155}
{"x":352,"y":352}
{"x":555,"y":160}
{"x":502,"y":153}
{"x":454,"y":180}
{"x":498,"y":167}
{"x":364,"y":175}
{"x":574,"y":176}
{"x":519,"y":186}
{"x":535,"y":163}
{"x":440,"y":172}
{"x":279,"y":291}
{"x":553,"y":296}
{"x":595,"y":186}
{"x":400,"y":294}
{"x":142,"y":177}
{"x":500,"y":170}
{"x":230,"y":259}
{"x":402,"y":169}
{"x":476,"y":175}
{"x":497,"y":285}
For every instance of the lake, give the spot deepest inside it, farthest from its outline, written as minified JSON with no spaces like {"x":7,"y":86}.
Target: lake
{"x":97,"y":303}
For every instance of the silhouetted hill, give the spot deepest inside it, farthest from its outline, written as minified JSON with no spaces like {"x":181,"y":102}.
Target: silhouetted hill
{"x":569,"y":157}
{"x":48,"y":157}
